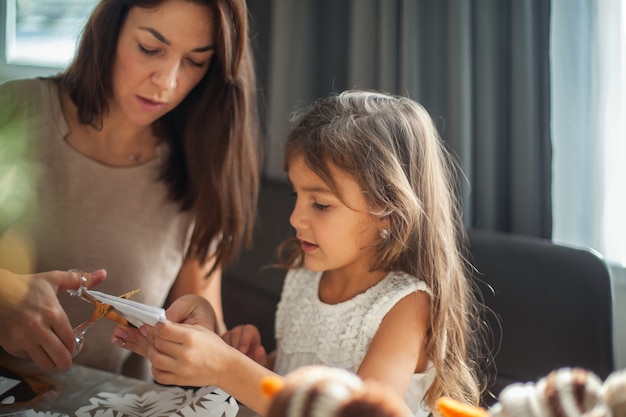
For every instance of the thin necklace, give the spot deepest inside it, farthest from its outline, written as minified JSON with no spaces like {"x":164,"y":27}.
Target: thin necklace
{"x":134,"y":157}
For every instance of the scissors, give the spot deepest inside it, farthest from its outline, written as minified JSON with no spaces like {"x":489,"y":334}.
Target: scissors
{"x":101,"y":310}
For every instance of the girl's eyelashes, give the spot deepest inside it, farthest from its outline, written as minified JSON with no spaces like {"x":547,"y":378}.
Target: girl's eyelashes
{"x":316,"y":205}
{"x":321,"y":207}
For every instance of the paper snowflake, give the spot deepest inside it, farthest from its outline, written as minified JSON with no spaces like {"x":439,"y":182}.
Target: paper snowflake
{"x":174,"y":402}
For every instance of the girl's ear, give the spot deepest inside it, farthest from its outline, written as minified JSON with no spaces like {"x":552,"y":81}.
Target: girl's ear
{"x":384,"y":226}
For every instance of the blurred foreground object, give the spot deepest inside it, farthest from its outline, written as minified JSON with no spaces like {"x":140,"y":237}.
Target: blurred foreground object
{"x":566,"y":392}
{"x":320,"y":391}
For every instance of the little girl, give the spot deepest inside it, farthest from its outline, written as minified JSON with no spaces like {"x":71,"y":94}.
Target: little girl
{"x":376,"y":283}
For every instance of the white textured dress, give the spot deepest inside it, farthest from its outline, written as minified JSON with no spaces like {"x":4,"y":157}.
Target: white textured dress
{"x":311,"y":332}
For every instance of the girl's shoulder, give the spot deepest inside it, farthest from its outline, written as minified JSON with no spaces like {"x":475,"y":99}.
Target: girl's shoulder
{"x":402,"y":281}
{"x":393,"y":288}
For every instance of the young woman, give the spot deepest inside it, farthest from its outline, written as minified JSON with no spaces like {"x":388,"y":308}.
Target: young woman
{"x":144,"y":157}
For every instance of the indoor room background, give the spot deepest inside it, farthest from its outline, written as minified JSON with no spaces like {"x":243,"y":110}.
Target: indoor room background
{"x":530,"y":96}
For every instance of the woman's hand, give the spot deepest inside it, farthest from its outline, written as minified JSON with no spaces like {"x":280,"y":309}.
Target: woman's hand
{"x":34,"y":325}
{"x":247,"y":339}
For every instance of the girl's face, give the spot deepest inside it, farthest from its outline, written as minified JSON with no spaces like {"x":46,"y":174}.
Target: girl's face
{"x":333,"y":236}
{"x":162,"y":54}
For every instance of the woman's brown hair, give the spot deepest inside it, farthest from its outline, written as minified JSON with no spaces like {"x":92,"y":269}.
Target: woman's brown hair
{"x":213,"y":134}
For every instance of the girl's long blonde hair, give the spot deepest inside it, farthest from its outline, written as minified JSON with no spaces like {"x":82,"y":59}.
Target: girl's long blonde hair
{"x":391,"y":147}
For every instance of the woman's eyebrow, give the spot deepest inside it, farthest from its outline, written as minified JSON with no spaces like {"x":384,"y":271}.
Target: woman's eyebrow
{"x":163,"y":39}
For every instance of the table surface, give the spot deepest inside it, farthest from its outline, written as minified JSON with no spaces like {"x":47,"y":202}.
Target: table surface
{"x":84,"y":391}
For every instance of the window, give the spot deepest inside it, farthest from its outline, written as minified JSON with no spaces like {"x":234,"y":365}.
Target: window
{"x":588,"y":56}
{"x":40,"y":35}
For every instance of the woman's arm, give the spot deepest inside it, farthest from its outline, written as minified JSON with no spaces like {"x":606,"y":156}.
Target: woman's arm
{"x":398,"y":348}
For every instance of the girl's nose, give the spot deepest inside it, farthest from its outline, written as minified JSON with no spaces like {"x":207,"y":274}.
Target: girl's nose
{"x":297,"y":219}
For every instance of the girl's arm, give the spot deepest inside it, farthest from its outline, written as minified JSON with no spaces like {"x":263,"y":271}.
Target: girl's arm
{"x":196,"y":310}
{"x":183,"y":354}
{"x":398,"y":348}
{"x":191,"y":280}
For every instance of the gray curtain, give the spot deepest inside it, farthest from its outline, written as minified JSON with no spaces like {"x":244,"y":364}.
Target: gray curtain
{"x":480,"y":68}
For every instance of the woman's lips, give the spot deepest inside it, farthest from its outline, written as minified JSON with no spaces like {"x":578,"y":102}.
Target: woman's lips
{"x":150,"y":105}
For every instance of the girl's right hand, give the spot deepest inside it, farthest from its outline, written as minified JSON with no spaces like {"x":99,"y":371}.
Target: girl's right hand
{"x":192,"y":309}
{"x":184,"y":354}
{"x":34,"y":325}
{"x":189,"y":309}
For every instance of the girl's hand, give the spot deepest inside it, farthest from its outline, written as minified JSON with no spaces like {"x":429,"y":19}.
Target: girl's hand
{"x":188,"y":309}
{"x":194,"y":355}
{"x":184,"y":354}
{"x":247,"y":339}
{"x":192,"y":309}
{"x":34,"y":325}
{"x":135,"y":340}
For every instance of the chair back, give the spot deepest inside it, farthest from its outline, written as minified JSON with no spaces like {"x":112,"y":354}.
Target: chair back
{"x":553,"y":303}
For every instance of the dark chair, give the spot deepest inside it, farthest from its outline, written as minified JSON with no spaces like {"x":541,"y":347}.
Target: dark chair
{"x":553,"y":303}
{"x":244,"y":303}
{"x":251,"y":287}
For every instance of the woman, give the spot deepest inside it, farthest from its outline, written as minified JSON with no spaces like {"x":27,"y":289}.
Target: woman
{"x":146,"y":158}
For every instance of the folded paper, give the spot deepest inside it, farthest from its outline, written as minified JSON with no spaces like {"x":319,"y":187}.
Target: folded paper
{"x":135,"y":312}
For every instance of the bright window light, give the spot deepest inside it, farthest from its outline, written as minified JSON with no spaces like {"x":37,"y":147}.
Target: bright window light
{"x":44,"y":32}
{"x":615,"y":221}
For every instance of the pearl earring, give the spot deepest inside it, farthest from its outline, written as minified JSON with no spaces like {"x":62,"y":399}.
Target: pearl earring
{"x":384,"y":234}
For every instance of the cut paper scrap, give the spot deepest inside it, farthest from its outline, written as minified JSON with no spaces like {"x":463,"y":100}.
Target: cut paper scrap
{"x":170,"y":402}
{"x":215,"y":404}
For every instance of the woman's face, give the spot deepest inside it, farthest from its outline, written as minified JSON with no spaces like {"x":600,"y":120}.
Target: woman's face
{"x":162,"y":53}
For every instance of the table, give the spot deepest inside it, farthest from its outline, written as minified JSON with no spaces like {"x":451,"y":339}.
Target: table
{"x":88,"y":392}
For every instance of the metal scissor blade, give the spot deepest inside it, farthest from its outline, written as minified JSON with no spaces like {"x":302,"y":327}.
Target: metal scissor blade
{"x":107,"y":310}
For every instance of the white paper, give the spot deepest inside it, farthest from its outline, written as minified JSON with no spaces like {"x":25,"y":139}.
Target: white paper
{"x":173,"y":402}
{"x":167,"y":402}
{"x":135,"y":312}
{"x":7,"y":383}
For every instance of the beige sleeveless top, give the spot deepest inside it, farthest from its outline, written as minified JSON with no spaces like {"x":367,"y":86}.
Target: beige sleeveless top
{"x":86,"y":215}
